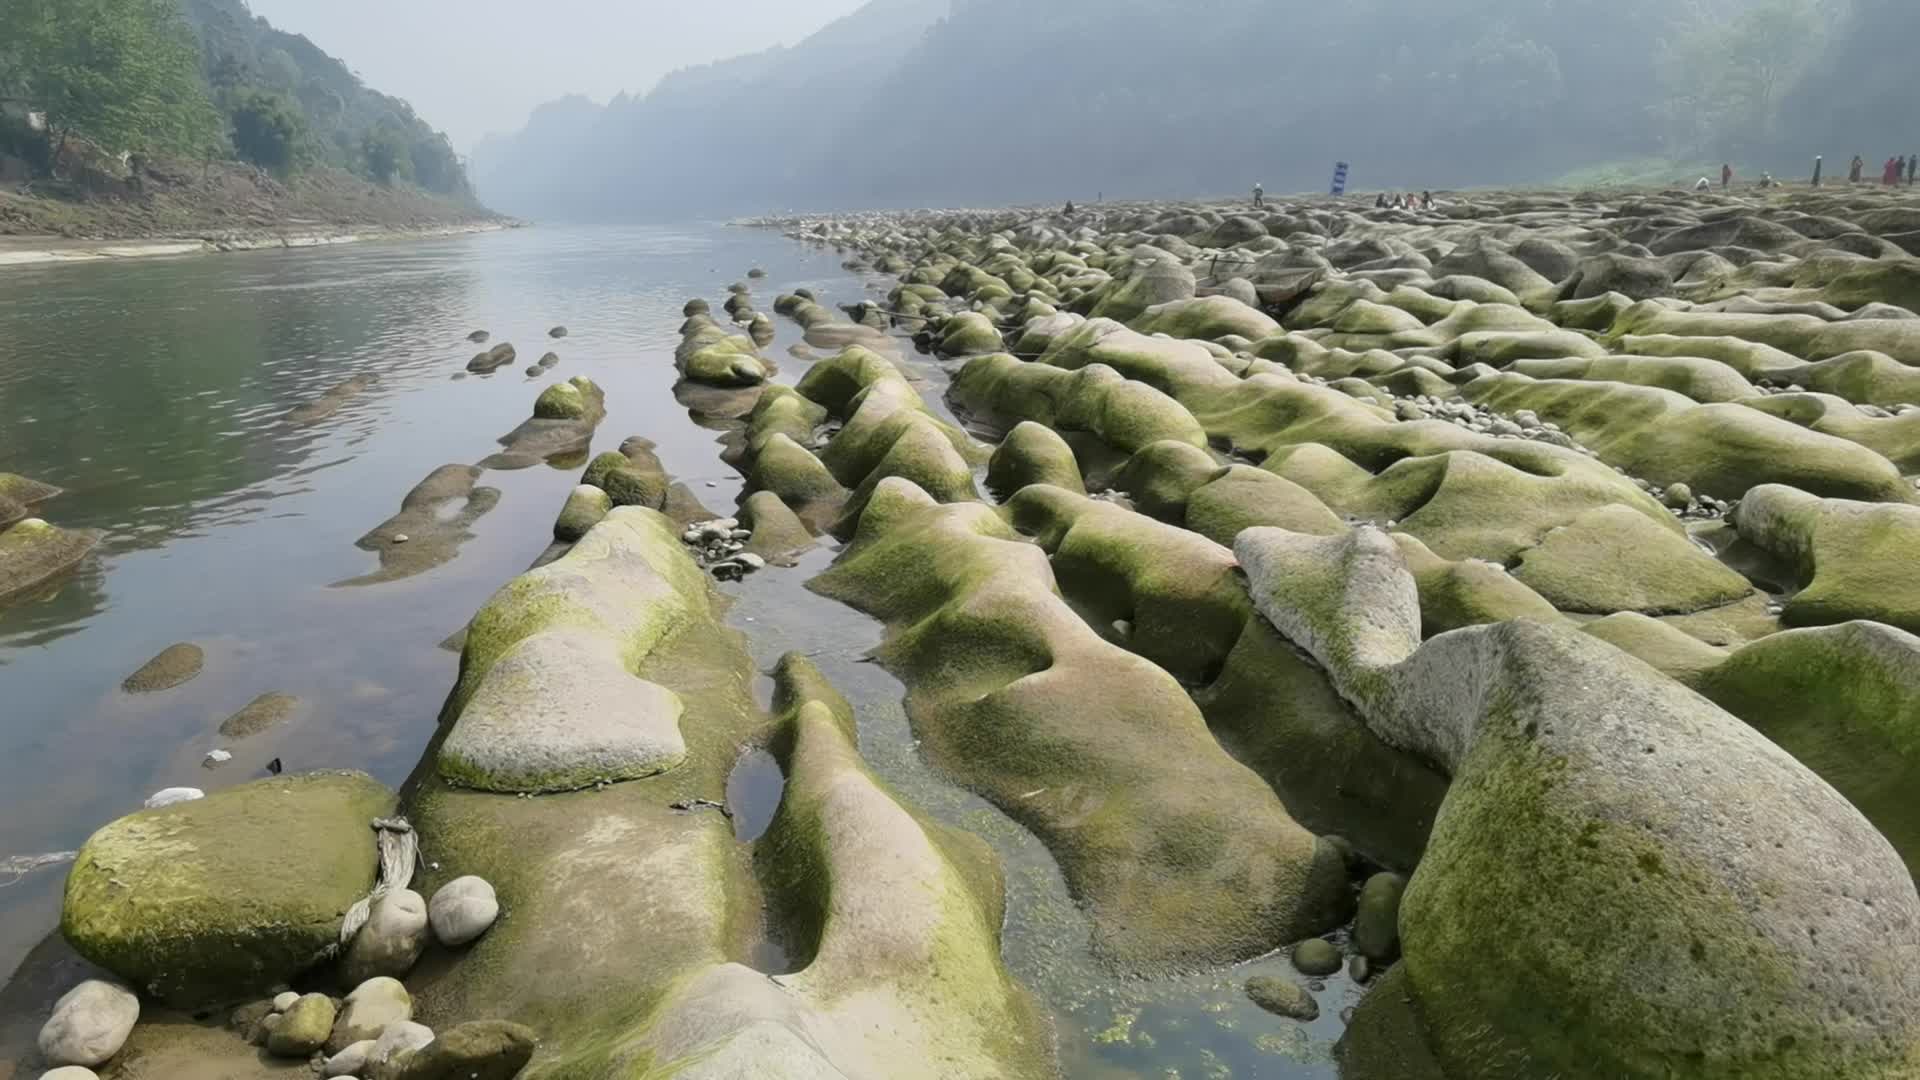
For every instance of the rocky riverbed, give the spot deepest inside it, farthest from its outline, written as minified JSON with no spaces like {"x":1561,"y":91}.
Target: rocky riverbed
{"x":1504,"y":612}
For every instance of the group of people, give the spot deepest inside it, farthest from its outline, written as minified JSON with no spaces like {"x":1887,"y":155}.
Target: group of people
{"x":1891,"y":173}
{"x":1896,"y":171}
{"x":1409,"y":201}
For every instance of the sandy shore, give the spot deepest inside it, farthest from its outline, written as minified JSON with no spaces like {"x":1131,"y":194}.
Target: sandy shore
{"x":37,"y":250}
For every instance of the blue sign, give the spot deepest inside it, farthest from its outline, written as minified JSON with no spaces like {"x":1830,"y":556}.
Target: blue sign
{"x":1339,"y":178}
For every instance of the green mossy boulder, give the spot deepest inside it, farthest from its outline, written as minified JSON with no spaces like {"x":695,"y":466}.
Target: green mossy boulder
{"x":586,"y":505}
{"x":1016,"y":696}
{"x":1845,"y":701}
{"x":1613,"y":558}
{"x":33,"y":553}
{"x":1033,"y":454}
{"x":1562,"y":835}
{"x":1855,"y":559}
{"x":219,"y":899}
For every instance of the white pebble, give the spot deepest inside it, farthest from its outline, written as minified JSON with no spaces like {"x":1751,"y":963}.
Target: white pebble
{"x":462,"y":910}
{"x":217,"y":757}
{"x":283,"y":1002}
{"x":172,"y":795}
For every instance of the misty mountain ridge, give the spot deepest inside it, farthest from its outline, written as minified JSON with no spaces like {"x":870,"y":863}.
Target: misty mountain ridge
{"x":943,"y":102}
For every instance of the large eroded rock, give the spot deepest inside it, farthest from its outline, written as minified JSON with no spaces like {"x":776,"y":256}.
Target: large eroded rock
{"x":221,"y":898}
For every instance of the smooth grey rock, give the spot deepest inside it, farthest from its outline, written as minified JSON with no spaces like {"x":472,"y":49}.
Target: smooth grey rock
{"x":90,"y":1023}
{"x":395,"y":1043}
{"x":372,"y":1007}
{"x":350,"y":1060}
{"x":389,"y":944}
{"x":462,"y":910}
{"x":70,"y":1072}
{"x":561,"y":712}
{"x":283,"y":1002}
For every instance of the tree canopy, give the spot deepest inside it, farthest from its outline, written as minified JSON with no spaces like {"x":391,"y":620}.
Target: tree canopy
{"x":196,"y":77}
{"x":124,"y":73}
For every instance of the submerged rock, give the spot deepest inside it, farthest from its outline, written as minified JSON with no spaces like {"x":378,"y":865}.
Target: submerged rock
{"x":492,"y":360}
{"x":176,"y":665}
{"x":33,"y":553}
{"x":151,"y":896}
{"x":436,"y":517}
{"x":261,"y":714}
{"x":1283,"y":997}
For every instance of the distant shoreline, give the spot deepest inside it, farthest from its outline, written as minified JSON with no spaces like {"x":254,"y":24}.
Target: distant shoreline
{"x":43,"y":250}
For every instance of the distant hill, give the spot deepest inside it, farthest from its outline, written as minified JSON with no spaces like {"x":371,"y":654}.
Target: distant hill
{"x":245,"y":55}
{"x":721,"y":136}
{"x":918,"y":102}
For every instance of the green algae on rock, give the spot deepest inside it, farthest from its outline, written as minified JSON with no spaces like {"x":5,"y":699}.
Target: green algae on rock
{"x":1558,"y":821}
{"x":1854,"y":558}
{"x":221,"y":898}
{"x":1015,"y":695}
{"x":175,"y":665}
{"x":33,"y":553}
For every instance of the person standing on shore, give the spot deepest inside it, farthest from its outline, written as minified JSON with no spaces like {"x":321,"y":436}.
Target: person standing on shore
{"x":1913,"y":166}
{"x":1259,"y":196}
{"x":1726,"y":176}
{"x":1818,"y":163}
{"x":1853,"y":172}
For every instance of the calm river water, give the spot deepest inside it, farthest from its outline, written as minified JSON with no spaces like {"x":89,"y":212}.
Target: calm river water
{"x":156,"y":392}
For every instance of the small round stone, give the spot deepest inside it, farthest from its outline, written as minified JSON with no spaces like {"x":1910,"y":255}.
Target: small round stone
{"x":462,"y":910}
{"x":285,"y":1001}
{"x":1677,"y":496}
{"x":1282,"y":997}
{"x":1316,"y":956}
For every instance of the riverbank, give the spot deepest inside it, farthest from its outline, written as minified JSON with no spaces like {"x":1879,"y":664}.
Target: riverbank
{"x":34,"y":250}
{"x":168,"y":209}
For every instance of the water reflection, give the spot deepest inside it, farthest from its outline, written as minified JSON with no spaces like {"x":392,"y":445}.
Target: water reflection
{"x":158,"y":394}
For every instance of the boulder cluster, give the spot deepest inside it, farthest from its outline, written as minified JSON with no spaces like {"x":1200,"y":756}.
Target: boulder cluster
{"x":1587,"y":520}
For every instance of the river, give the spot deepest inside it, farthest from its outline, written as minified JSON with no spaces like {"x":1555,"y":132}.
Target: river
{"x":157,"y":392}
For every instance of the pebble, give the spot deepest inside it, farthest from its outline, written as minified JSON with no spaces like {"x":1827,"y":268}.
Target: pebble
{"x":462,"y":910}
{"x":90,"y":1023}
{"x":350,"y":1061}
{"x":70,"y":1072}
{"x":170,"y":796}
{"x":396,"y":1040}
{"x":216,"y":757}
{"x":401,"y":538}
{"x":1316,"y":956}
{"x":302,"y":1029}
{"x":285,"y":1001}
{"x":1282,"y":997}
{"x":1677,"y":496}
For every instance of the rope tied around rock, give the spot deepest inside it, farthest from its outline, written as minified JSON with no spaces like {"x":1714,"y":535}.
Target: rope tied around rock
{"x":399,"y":852}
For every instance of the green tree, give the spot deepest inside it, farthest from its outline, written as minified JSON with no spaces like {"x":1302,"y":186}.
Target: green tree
{"x":267,"y":130}
{"x":387,"y":155}
{"x":124,"y":74}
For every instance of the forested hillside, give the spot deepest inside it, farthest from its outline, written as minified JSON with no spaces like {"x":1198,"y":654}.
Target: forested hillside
{"x":201,"y":80}
{"x":985,"y":101}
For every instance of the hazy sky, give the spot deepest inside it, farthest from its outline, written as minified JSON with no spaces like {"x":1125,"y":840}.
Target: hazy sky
{"x":474,"y":67}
